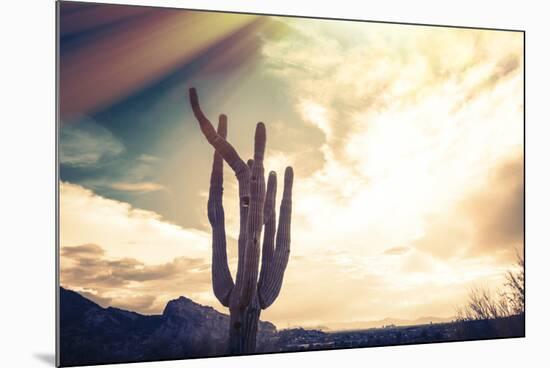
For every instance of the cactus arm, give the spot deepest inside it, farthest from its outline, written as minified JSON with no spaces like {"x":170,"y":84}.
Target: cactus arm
{"x":221,"y":276}
{"x":269,"y":230}
{"x":269,"y":290}
{"x":255,"y":219}
{"x":225,"y":149}
{"x":241,"y":169}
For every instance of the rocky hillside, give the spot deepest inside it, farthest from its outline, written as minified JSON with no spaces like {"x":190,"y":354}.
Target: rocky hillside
{"x":91,"y":334}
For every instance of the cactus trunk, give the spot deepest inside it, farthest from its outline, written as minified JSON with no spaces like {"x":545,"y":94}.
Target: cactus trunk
{"x":254,"y":289}
{"x":243,"y":328}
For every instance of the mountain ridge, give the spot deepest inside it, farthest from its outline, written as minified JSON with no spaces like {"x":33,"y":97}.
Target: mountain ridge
{"x":91,"y":334}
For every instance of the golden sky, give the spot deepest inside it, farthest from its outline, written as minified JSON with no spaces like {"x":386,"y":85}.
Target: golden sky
{"x":407,"y":148}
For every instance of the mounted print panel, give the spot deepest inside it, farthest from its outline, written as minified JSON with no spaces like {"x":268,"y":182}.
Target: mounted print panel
{"x":236,"y":184}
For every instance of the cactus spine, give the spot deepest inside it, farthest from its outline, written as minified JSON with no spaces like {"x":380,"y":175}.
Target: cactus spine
{"x":252,"y":291}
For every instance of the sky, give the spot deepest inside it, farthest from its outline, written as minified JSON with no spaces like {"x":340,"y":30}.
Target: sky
{"x":406,"y":143}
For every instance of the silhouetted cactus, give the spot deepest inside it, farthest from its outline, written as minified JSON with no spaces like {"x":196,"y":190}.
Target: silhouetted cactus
{"x":250,"y":293}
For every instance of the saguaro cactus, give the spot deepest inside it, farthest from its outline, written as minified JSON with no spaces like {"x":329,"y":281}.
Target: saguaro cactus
{"x":250,"y":293}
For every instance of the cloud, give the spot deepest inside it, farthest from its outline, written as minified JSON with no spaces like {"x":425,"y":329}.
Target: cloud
{"x":316,"y":115}
{"x":502,"y":69}
{"x":445,"y":235}
{"x":138,"y":302}
{"x":418,"y":262}
{"x":101,"y":271}
{"x":143,"y":187}
{"x":396,"y":250}
{"x":128,"y":283}
{"x":413,"y":120}
{"x":367,"y":288}
{"x":124,"y":231}
{"x":487,"y":221}
{"x":148,"y":158}
{"x":84,"y":143}
{"x":497,"y":211}
{"x":104,"y":302}
{"x":131,"y":258}
{"x":83,"y":251}
{"x":398,"y":156}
